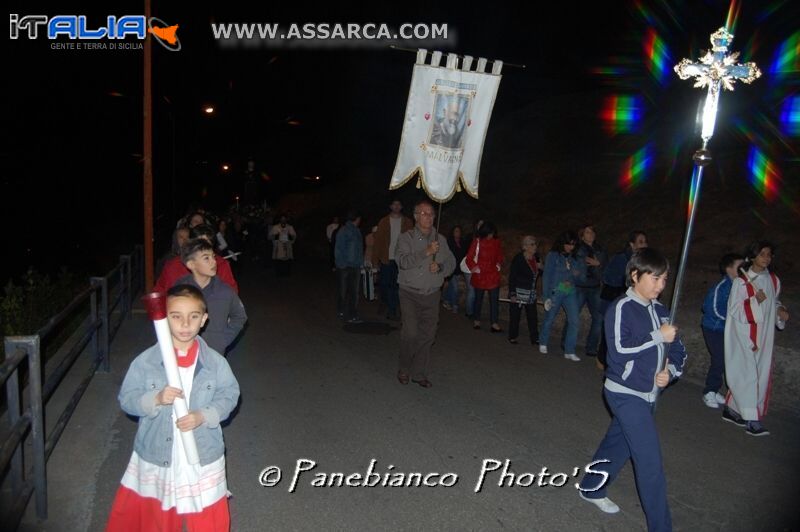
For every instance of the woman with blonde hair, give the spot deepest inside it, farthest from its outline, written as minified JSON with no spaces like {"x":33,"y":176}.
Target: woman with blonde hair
{"x":522,"y":290}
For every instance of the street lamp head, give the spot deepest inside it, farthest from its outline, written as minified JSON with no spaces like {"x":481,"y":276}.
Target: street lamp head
{"x":208,"y":110}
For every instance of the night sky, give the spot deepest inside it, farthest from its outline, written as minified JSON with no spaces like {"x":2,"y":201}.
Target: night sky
{"x":71,"y":182}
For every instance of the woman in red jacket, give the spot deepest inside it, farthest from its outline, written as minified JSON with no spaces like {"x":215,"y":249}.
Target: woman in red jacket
{"x":484,"y":259}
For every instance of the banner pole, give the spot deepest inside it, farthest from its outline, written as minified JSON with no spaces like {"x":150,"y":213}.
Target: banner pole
{"x":436,"y":236}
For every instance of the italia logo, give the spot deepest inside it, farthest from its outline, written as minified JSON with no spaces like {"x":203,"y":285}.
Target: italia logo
{"x":76,"y":27}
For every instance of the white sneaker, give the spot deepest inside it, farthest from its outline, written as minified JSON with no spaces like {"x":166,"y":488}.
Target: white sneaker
{"x":572,"y":357}
{"x":720,"y":398}
{"x":710,"y":399}
{"x":543,"y":349}
{"x":605,"y":504}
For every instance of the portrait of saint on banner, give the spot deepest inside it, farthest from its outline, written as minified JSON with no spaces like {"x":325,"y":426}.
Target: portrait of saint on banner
{"x":451,"y":113}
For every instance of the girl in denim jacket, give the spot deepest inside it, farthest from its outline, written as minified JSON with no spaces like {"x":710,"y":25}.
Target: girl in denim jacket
{"x":561,"y":270}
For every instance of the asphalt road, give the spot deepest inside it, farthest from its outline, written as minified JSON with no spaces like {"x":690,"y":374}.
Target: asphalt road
{"x":319,"y":397}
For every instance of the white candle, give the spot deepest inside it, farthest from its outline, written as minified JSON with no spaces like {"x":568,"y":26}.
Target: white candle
{"x":156,"y":306}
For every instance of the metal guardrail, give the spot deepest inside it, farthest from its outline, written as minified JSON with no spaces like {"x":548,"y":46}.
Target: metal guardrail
{"x":109,"y":301}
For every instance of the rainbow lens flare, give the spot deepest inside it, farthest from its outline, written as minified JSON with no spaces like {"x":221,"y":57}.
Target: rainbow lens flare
{"x":787,"y":58}
{"x":622,"y":114}
{"x":693,"y":186}
{"x":790,"y":116}
{"x":764,"y":174}
{"x":733,"y":16}
{"x":657,"y":56}
{"x":636,"y":169}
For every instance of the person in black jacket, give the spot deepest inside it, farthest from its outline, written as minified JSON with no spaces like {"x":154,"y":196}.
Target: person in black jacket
{"x":522,"y":290}
{"x":588,"y":285}
{"x":614,"y":283}
{"x":459,"y":246}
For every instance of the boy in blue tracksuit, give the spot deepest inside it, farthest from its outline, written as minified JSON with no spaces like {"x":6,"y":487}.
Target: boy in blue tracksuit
{"x":639,"y":340}
{"x":715,"y":310}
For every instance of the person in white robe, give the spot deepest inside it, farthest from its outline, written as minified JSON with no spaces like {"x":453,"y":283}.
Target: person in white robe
{"x":754,"y":313}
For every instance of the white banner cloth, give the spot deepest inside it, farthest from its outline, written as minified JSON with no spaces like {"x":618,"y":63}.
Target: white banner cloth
{"x":447,"y":116}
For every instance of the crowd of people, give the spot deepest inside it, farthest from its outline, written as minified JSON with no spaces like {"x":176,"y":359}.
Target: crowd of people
{"x":420,"y":271}
{"x":254,"y":233}
{"x":575,"y":273}
{"x":629,"y":330}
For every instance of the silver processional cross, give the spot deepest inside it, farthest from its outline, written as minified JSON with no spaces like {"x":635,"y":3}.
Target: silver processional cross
{"x":716,"y":70}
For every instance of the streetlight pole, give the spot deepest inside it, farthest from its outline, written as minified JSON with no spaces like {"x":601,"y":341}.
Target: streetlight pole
{"x":174,"y":191}
{"x":148,"y":158}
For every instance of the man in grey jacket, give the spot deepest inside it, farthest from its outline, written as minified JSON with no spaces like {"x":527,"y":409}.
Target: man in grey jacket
{"x":424,"y":260}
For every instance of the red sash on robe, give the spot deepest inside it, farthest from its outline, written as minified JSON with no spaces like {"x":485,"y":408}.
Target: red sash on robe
{"x":748,"y":309}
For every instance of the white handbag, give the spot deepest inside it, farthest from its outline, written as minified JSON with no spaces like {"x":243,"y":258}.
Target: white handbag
{"x":464,"y":267}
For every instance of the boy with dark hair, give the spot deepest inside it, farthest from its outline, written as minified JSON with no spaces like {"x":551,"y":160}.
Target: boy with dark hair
{"x":224,"y":272}
{"x":174,"y":268}
{"x":640,"y":339}
{"x":225,"y":310}
{"x":715,"y":311}
{"x":160,"y":490}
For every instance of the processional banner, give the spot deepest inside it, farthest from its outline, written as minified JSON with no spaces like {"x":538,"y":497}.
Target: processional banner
{"x":447,"y":116}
